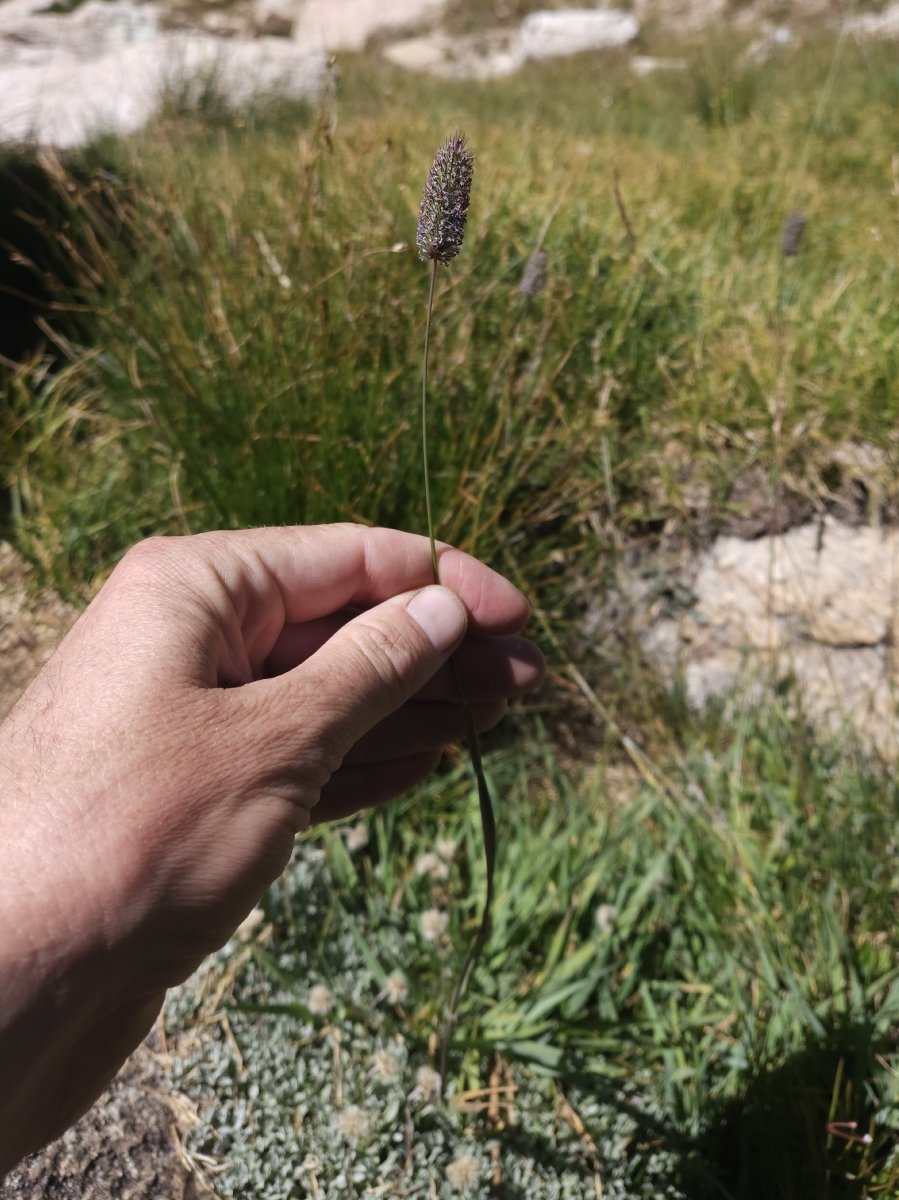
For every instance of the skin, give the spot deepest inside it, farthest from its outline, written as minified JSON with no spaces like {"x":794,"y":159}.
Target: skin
{"x":221,"y":693}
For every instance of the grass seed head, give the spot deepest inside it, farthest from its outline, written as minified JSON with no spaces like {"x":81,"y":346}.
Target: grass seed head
{"x":533,"y":279}
{"x":794,"y":228}
{"x":444,"y":204}
{"x":396,"y":987}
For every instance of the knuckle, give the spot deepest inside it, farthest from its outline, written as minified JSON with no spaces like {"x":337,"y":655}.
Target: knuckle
{"x":386,"y":654}
{"x":144,"y":561}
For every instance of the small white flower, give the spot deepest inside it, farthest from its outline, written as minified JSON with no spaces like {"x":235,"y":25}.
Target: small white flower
{"x":396,"y":987}
{"x":356,"y":837}
{"x":385,"y":1067}
{"x":427,"y":1084}
{"x":432,"y":865}
{"x":320,"y":1000}
{"x":353,"y":1123}
{"x":462,"y":1172}
{"x":605,"y":917}
{"x":447,"y":850}
{"x":434,"y":924}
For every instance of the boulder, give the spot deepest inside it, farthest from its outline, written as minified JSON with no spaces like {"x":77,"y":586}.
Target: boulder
{"x":883,"y":24}
{"x":551,"y":34}
{"x":347,"y":25}
{"x":818,"y":604}
{"x":107,"y":67}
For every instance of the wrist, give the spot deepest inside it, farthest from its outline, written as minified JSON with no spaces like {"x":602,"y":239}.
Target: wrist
{"x":56,"y":985}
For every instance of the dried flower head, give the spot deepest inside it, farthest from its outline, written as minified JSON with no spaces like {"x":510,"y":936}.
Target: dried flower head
{"x":604,"y":915}
{"x":794,"y":228}
{"x":427,"y":1084}
{"x":385,"y":1067}
{"x":356,"y":837}
{"x":396,"y":987}
{"x":320,"y":1000}
{"x":533,"y":280}
{"x":462,"y":1172}
{"x":444,"y":204}
{"x":434,"y":924}
{"x":432,"y":865}
{"x":353,"y":1123}
{"x":446,"y":848}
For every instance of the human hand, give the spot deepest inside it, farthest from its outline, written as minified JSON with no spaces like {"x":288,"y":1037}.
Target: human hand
{"x":220,"y":693}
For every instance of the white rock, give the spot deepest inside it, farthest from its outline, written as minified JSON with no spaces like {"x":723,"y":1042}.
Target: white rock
{"x":116,"y":81}
{"x":884,"y":24}
{"x":682,"y":16}
{"x":280,"y":14}
{"x":348,"y":24}
{"x":819,"y":603}
{"x":832,"y":584}
{"x":93,"y":29}
{"x":419,"y":54}
{"x":500,"y":52}
{"x":646,"y":64}
{"x":491,"y":55}
{"x":549,"y":34}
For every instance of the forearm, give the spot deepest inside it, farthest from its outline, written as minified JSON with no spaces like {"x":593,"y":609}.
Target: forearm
{"x":59,"y":1041}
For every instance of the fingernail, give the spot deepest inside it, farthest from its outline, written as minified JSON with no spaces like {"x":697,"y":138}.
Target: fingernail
{"x":439,"y":612}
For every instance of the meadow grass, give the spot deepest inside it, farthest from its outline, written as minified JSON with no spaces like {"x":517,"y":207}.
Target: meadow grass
{"x":692,"y":972}
{"x":643,"y":376}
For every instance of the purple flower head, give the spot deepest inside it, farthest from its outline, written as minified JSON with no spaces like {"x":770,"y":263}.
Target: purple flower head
{"x":444,"y":205}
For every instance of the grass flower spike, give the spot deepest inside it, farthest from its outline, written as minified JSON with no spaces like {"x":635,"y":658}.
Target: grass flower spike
{"x":444,"y":205}
{"x":441,"y":227}
{"x":794,"y":228}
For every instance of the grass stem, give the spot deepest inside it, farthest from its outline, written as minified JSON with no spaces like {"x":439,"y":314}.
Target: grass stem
{"x":488,"y":819}
{"x":424,"y":423}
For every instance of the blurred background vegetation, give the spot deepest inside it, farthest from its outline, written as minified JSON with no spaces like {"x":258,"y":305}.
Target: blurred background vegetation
{"x":692,"y":987}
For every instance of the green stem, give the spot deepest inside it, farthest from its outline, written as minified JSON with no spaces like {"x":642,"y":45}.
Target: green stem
{"x":424,"y":424}
{"x":488,"y":820}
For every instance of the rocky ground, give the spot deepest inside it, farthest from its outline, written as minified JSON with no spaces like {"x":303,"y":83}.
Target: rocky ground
{"x":32,"y":622}
{"x":128,"y":1147}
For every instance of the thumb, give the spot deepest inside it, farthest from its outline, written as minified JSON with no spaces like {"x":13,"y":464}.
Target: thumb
{"x":372,"y":665}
